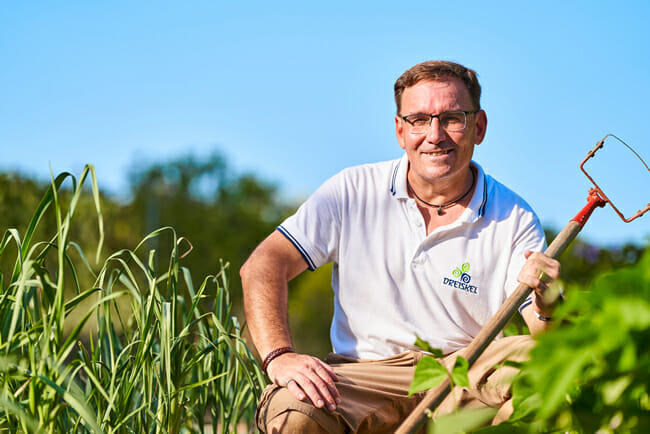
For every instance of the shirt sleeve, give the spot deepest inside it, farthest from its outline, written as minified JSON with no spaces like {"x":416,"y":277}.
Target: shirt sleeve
{"x":315,"y":228}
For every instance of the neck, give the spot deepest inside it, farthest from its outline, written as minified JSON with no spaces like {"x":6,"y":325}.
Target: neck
{"x":444,"y":192}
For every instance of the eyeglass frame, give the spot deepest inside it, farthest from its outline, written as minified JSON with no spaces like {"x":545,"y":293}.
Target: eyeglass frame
{"x":431,"y":117}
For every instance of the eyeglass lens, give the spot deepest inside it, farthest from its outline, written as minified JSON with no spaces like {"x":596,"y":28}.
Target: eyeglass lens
{"x":449,"y":121}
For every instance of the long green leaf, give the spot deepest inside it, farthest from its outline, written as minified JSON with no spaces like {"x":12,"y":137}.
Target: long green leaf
{"x":76,"y":402}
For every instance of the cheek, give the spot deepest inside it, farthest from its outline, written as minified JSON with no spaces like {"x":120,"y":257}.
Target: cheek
{"x":403,"y":140}
{"x":410,"y":142}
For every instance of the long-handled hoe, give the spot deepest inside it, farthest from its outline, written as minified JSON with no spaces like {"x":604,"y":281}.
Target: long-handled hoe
{"x":596,"y":198}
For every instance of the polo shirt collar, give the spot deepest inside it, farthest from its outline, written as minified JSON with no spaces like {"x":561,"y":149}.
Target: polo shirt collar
{"x":479,"y":200}
{"x":477,"y":205}
{"x":398,"y":178}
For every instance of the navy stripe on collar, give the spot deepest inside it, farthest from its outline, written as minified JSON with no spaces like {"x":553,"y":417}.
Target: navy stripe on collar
{"x":393,"y":189}
{"x":481,"y":210}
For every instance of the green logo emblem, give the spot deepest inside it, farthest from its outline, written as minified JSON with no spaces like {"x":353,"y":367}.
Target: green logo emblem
{"x":461,"y":272}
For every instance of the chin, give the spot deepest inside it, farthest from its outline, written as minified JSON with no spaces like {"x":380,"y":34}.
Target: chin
{"x":436,"y":176}
{"x":438,"y":171}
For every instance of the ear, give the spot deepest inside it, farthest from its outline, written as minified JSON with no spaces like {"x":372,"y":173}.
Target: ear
{"x":480,"y":126}
{"x":399,"y":131}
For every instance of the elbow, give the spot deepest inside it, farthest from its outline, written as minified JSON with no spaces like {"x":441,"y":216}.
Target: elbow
{"x":251,"y":271}
{"x":244,"y":272}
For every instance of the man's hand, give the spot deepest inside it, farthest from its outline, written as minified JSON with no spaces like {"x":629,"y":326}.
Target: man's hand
{"x":538,"y":272}
{"x":306,"y":377}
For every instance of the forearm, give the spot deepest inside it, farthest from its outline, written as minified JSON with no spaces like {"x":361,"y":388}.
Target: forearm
{"x":265,"y":306}
{"x":265,"y":277}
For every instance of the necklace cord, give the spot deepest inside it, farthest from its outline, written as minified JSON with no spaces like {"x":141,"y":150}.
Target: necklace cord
{"x":446,"y":205}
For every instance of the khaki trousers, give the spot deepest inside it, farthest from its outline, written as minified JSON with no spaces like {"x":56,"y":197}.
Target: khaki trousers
{"x":374,"y":393}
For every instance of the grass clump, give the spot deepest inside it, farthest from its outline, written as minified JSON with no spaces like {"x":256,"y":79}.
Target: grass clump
{"x":131,"y":350}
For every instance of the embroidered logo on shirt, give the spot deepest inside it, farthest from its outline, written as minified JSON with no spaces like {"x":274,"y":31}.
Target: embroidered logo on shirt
{"x":461,"y":273}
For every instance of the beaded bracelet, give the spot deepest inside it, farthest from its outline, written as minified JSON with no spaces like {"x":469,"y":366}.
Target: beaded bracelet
{"x":273,"y":354}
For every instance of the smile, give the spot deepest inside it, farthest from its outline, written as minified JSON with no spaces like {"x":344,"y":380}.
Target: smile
{"x":437,"y":153}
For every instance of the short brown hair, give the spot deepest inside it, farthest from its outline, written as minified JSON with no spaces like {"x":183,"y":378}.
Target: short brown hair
{"x":435,"y":70}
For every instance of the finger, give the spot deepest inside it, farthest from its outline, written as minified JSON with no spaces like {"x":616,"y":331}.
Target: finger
{"x":546,"y":262}
{"x":533,"y":283}
{"x":328,"y":369}
{"x":553,"y":268}
{"x":327,"y":394}
{"x":543,"y":277}
{"x":293,"y":387}
{"x":310,"y":390}
{"x":532,"y":279}
{"x":326,"y":378}
{"x":548,"y":272}
{"x":541,"y":266}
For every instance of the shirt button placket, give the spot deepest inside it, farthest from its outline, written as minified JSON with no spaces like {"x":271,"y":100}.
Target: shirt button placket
{"x":415,"y":216}
{"x":418,"y":260}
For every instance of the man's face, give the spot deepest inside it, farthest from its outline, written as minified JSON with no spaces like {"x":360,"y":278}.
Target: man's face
{"x":438,"y":155}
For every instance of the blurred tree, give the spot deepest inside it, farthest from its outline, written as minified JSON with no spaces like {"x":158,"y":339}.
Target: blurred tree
{"x":311,"y":307}
{"x":582,"y":262}
{"x":224,"y":216}
{"x":19,"y":196}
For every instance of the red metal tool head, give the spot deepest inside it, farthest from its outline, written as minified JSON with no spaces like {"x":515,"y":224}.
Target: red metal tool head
{"x":596,"y":195}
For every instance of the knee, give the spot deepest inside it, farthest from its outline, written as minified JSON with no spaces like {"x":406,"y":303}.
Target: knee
{"x":293,"y":422}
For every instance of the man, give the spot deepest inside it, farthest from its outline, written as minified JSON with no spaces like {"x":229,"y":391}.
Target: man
{"x":424,"y":246}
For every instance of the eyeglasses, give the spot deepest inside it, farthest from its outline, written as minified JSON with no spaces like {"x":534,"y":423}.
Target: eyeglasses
{"x":452,"y":121}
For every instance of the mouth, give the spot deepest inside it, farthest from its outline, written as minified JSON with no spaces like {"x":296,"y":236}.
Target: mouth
{"x":437,"y":153}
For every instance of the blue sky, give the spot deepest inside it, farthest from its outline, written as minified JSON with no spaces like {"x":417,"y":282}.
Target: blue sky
{"x":294,"y":92}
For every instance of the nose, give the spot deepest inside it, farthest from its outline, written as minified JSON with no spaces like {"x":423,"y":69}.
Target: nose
{"x":436,"y":134}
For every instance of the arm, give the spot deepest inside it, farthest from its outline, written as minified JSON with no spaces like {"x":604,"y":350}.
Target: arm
{"x":264,"y":281}
{"x":531,"y":275}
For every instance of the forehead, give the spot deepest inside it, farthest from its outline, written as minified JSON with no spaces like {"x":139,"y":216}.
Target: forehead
{"x":434,"y":96}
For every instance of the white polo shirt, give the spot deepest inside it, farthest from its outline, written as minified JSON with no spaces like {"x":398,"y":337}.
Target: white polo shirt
{"x":391,"y":281}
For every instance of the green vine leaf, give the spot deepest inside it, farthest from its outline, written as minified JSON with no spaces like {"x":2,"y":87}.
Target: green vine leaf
{"x":429,"y":373}
{"x":459,"y":372}
{"x":426,"y":346}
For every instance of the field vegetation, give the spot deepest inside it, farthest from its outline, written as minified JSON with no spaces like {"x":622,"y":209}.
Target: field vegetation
{"x":162,"y":353}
